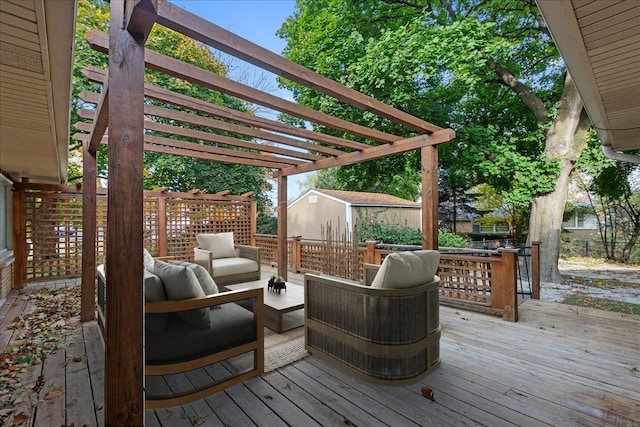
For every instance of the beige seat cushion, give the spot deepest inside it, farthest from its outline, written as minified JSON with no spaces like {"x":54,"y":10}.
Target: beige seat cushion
{"x":407,"y":269}
{"x":219,"y":244}
{"x":231,"y":266}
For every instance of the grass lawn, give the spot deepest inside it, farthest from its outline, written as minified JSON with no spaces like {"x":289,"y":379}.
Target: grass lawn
{"x":603,"y":304}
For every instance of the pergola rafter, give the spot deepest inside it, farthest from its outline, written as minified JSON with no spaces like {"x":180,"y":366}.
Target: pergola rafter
{"x":121,"y":109}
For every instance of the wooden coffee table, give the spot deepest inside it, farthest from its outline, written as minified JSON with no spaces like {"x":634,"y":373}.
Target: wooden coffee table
{"x":278,"y":304}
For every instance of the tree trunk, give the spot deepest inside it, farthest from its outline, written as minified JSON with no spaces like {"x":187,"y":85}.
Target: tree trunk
{"x":565,"y":141}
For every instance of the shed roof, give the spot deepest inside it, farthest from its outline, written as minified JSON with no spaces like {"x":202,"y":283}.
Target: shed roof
{"x":369,"y":199}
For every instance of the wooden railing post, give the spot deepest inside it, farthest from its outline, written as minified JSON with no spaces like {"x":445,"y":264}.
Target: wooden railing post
{"x":19,"y":236}
{"x":162,"y":225}
{"x":535,"y":270}
{"x":370,"y":254}
{"x":296,"y":255}
{"x":89,"y":209}
{"x":254,"y":223}
{"x":508,"y":281}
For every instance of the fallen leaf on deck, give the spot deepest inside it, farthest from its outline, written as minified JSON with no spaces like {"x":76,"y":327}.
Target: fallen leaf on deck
{"x":56,"y":392}
{"x":197,"y":421}
{"x":20,"y":418}
{"x":428,"y":393}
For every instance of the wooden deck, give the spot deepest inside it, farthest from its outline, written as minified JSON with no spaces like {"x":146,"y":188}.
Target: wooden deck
{"x":559,"y":365}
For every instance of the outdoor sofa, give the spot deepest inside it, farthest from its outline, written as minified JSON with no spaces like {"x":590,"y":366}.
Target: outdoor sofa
{"x":386,"y":330}
{"x":226,"y":262}
{"x":190,"y":325}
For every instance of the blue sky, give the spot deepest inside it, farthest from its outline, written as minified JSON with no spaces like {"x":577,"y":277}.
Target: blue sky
{"x":256,"y":21}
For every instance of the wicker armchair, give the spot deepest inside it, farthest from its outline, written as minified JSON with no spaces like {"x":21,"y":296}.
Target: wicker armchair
{"x":384,"y":335}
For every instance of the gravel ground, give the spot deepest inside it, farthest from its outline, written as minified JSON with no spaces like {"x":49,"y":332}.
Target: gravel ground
{"x":594,"y":278}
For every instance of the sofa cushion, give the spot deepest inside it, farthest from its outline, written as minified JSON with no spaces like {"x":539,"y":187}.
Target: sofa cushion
{"x":154,"y":291}
{"x":147,"y":259}
{"x":407,"y":269}
{"x":180,"y":283}
{"x":231,"y":266}
{"x":231,"y":326}
{"x":209,"y":285}
{"x":220,"y":244}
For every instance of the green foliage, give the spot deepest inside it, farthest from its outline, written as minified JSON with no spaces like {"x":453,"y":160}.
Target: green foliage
{"x":399,"y":234}
{"x":267,"y":224}
{"x":389,"y":233}
{"x":176,"y":173}
{"x":452,"y":240}
{"x":438,"y":64}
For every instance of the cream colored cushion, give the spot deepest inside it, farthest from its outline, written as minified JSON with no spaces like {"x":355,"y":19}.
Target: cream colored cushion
{"x":180,"y":283}
{"x":220,"y":244}
{"x":407,"y":269}
{"x":231,"y":266}
{"x":147,"y":259}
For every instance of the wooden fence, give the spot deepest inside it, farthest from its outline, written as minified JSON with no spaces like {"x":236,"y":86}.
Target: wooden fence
{"x":481,"y":280}
{"x":48,"y":226}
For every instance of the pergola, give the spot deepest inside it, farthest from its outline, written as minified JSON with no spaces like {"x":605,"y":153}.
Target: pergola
{"x":289,"y":150}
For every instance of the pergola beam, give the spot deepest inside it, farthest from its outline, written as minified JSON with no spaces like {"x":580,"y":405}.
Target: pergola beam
{"x":101,"y":122}
{"x":292,"y":159}
{"x":99,"y":75}
{"x":200,"y":29}
{"x":384,"y":150}
{"x":124,"y":333}
{"x":155,"y":144}
{"x":175,"y":68}
{"x":167,"y":113}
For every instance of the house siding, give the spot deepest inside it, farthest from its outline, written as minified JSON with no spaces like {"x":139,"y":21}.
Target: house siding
{"x":307,"y":219}
{"x":410,"y":217}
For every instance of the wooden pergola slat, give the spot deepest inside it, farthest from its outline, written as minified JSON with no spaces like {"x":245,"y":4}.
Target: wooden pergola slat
{"x":210,"y":34}
{"x":93,"y":97}
{"x":175,"y":68}
{"x":98,"y":75}
{"x":157,"y":145}
{"x":416,"y":142}
{"x":294,"y":157}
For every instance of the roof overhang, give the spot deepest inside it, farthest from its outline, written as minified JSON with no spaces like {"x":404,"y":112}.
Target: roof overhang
{"x":600,"y":44}
{"x":36,"y":62}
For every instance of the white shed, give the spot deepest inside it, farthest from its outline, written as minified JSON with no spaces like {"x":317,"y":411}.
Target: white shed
{"x":316,"y":208}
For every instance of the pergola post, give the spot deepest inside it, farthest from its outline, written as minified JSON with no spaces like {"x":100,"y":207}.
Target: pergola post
{"x":282,"y":226}
{"x":87,"y":300}
{"x":124,"y":362}
{"x":429,"y":175}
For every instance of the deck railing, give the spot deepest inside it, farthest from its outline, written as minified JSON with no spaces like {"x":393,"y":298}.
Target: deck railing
{"x":48,"y":226}
{"x":483,"y":280}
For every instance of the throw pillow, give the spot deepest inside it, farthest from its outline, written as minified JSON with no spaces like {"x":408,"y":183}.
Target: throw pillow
{"x":209,"y":285}
{"x":154,"y":291}
{"x":181,"y":282}
{"x":147,"y":260}
{"x":220,"y":244}
{"x":406,"y":269}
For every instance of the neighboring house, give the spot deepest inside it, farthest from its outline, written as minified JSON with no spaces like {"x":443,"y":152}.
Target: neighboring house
{"x":581,"y":224}
{"x":311,"y":212}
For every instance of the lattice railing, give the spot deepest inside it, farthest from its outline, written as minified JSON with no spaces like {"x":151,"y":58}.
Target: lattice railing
{"x":50,"y":224}
{"x":465,"y":278}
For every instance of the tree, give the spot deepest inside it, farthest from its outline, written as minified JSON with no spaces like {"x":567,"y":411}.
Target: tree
{"x":500,"y":209}
{"x":177,"y":173}
{"x":490,"y":70}
{"x":614,"y":197}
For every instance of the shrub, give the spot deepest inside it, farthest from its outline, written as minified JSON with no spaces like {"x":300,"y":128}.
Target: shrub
{"x":452,"y":240}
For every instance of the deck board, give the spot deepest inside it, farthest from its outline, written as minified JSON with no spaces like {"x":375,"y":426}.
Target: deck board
{"x":559,"y":365}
